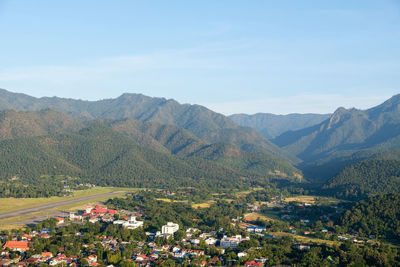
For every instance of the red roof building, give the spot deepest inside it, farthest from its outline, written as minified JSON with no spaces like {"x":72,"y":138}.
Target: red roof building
{"x":253,"y":264}
{"x":17,"y":245}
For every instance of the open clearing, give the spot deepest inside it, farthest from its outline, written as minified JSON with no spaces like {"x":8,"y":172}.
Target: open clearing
{"x":313,"y":200}
{"x":304,"y":199}
{"x":255,"y":215}
{"x":305,"y":239}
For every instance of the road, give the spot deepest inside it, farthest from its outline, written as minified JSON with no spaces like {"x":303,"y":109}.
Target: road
{"x":54,"y":205}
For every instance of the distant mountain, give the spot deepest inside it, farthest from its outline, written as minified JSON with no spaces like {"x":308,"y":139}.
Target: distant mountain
{"x":346,"y":132}
{"x":200,"y":121}
{"x":271,"y":125}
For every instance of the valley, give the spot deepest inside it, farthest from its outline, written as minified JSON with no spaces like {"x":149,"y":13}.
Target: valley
{"x":230,"y":194}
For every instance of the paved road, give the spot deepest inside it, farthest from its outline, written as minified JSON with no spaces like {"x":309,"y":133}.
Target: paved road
{"x":53,"y":205}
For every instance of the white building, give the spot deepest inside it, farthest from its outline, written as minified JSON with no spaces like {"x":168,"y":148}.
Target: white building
{"x":170,"y":228}
{"x":132,"y":223}
{"x":231,"y":242}
{"x":211,"y":241}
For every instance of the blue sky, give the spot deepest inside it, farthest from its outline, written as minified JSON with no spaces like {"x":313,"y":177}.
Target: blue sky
{"x":231,"y":56}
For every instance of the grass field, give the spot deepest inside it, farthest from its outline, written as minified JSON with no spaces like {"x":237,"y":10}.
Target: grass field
{"x":255,"y":215}
{"x":305,"y":239}
{"x":170,"y":200}
{"x":312,"y":200}
{"x":12,"y":204}
{"x":203,"y":205}
{"x":304,"y":199}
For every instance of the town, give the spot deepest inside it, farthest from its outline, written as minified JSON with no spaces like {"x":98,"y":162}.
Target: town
{"x":141,"y":231}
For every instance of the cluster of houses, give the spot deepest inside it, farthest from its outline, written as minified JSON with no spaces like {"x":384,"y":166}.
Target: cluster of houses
{"x":193,"y":238}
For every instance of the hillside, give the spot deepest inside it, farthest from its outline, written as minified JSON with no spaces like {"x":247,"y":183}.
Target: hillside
{"x":159,"y":137}
{"x":368,"y":177}
{"x":23,"y":124}
{"x":346,"y":132}
{"x":378,"y":216}
{"x":271,"y":125}
{"x":122,"y":153}
{"x":102,"y":156}
{"x":253,"y":163}
{"x":200,"y":121}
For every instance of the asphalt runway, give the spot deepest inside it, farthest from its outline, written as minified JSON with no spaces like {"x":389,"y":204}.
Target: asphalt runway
{"x":24,"y":212}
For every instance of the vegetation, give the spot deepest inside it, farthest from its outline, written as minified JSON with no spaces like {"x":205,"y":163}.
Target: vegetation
{"x":369,"y":177}
{"x":346,"y":133}
{"x":378,"y":216}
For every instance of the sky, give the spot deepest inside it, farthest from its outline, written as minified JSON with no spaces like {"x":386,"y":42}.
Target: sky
{"x":231,"y":56}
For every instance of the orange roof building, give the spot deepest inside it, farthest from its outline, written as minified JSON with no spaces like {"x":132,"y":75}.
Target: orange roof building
{"x":17,"y":245}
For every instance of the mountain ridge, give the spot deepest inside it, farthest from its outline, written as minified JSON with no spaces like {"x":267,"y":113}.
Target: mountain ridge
{"x":272,"y":125}
{"x":200,"y":121}
{"x":346,"y":131}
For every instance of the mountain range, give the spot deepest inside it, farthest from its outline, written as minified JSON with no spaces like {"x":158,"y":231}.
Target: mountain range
{"x":129,"y":152}
{"x":137,"y":140}
{"x":200,"y":121}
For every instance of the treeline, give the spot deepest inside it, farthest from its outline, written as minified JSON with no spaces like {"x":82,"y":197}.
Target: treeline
{"x":44,"y":186}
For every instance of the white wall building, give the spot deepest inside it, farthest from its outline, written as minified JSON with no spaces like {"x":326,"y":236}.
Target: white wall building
{"x":230,"y":242}
{"x":170,"y":228}
{"x":132,"y":223}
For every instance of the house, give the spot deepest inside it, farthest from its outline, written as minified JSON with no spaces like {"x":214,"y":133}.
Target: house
{"x":45,"y":231}
{"x":195,"y":241}
{"x":253,"y":264}
{"x":194,"y":252}
{"x":303,"y":247}
{"x":60,"y":220}
{"x":255,"y":229}
{"x":26,"y":237}
{"x":92,"y":258}
{"x":242,"y":254}
{"x":211,"y":241}
{"x":17,"y":245}
{"x":170,"y":228}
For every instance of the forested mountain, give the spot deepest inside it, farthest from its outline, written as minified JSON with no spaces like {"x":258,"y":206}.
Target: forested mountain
{"x":200,"y":121}
{"x":160,"y":137}
{"x":347,"y":131}
{"x":123,"y":153}
{"x":368,"y":177}
{"x":271,"y":125}
{"x":102,"y":156}
{"x":378,"y":216}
